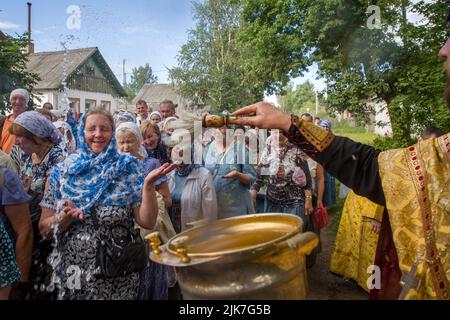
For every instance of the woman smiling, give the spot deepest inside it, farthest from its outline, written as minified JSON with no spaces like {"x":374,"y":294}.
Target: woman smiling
{"x":89,"y":196}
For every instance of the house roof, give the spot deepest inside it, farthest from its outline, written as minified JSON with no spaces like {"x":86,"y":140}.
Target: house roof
{"x":50,"y":67}
{"x":156,"y":93}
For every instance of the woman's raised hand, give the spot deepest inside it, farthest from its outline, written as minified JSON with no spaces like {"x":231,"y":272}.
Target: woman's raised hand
{"x":263,"y":115}
{"x":158,"y":173}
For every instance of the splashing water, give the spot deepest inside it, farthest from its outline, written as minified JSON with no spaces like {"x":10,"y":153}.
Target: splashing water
{"x":65,"y":103}
{"x":186,"y":121}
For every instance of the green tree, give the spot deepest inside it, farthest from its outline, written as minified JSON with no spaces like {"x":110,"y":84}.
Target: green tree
{"x":13,"y":71}
{"x":140,"y":76}
{"x":299,"y":99}
{"x":210,"y":68}
{"x":396,"y":64}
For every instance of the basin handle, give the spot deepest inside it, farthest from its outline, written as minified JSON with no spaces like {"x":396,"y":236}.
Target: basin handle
{"x":154,"y":242}
{"x":181,"y":249}
{"x":303,"y":243}
{"x":198,"y":223}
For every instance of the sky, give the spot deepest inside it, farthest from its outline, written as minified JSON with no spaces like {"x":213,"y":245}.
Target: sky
{"x":139,"y":31}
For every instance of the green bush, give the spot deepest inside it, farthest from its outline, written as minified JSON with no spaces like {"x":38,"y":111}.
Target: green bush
{"x":386,"y":143}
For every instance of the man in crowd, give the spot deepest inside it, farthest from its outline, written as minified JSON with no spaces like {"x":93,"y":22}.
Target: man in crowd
{"x":19,"y":102}
{"x":413,"y":251}
{"x":167,"y":109}
{"x":144,"y":112}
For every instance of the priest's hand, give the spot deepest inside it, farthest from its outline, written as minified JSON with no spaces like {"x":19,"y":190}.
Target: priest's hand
{"x":263,"y":115}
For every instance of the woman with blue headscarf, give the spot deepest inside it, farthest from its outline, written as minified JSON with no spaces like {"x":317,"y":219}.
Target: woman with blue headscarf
{"x":89,"y":195}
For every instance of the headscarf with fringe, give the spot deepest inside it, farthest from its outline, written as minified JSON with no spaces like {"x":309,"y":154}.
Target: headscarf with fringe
{"x":108,"y":178}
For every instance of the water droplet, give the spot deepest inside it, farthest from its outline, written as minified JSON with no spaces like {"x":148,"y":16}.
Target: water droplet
{"x":51,"y":287}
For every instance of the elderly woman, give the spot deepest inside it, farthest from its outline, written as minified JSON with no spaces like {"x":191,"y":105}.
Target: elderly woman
{"x":233,"y":176}
{"x":68,"y":143}
{"x":153,"y":280}
{"x":39,"y":141}
{"x":92,"y":196}
{"x":193,"y":193}
{"x":284,"y":168}
{"x":129,"y":139}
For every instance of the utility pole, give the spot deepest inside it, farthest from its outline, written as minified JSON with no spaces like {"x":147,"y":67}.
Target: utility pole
{"x":30,"y":45}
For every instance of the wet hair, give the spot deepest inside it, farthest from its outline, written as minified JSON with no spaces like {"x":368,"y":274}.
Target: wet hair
{"x":19,"y":131}
{"x":103,"y":113}
{"x":146,"y":125}
{"x":428,"y":132}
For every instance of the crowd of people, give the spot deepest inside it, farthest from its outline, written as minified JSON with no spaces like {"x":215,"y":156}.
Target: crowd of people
{"x":70,"y":187}
{"x":64,"y":187}
{"x":114,"y":173}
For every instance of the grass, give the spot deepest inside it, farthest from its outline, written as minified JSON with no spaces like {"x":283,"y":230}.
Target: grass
{"x":358,"y":134}
{"x":355,"y":133}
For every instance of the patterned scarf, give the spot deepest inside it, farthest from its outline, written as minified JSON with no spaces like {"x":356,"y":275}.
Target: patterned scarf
{"x":88,"y":179}
{"x":68,"y":146}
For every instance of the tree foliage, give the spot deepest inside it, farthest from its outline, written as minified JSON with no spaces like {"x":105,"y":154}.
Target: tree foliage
{"x":210,"y":69}
{"x":13,"y":71}
{"x":298,"y":100}
{"x":396,"y":64}
{"x":140,"y":76}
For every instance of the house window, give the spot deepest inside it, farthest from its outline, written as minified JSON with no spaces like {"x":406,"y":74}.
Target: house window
{"x":89,"y":70}
{"x":89,"y":104}
{"x":106,"y":105}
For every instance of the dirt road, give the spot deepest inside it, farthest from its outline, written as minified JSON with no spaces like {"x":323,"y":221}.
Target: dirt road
{"x":323,"y":285}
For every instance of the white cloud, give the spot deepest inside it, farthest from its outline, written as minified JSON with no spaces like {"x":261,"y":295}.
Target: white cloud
{"x":5,"y":25}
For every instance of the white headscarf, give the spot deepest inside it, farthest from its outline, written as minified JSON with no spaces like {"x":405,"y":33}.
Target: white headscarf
{"x":133,"y":128}
{"x":67,"y":145}
{"x":158,"y":114}
{"x":20,"y":92}
{"x":167,"y":121}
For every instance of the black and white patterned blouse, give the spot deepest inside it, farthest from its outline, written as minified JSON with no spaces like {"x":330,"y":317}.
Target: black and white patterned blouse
{"x":73,"y":259}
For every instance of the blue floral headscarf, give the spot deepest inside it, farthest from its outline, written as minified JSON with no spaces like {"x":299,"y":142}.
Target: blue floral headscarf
{"x":88,"y":179}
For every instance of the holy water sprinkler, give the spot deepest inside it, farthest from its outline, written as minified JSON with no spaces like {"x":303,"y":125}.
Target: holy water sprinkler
{"x":218,"y":120}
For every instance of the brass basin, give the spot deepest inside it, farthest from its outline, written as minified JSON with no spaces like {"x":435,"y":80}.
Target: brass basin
{"x":259,"y":256}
